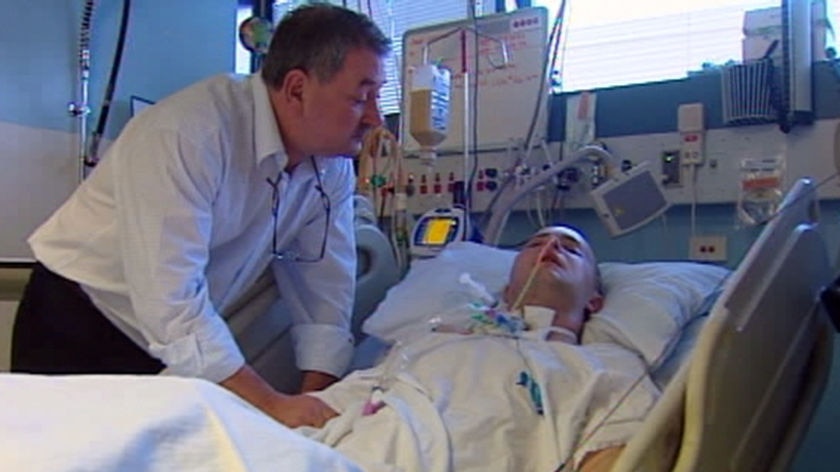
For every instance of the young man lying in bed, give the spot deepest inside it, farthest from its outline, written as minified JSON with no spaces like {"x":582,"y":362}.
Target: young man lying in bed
{"x":505,"y":387}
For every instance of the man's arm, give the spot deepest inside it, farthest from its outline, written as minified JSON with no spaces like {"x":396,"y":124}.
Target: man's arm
{"x":313,"y":381}
{"x":602,"y":460}
{"x":167,"y":277}
{"x":319,"y":296}
{"x":164,"y":239}
{"x":291,"y":410}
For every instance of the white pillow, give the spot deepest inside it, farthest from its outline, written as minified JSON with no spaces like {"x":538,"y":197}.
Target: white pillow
{"x":646,"y":306}
{"x":431,"y":287}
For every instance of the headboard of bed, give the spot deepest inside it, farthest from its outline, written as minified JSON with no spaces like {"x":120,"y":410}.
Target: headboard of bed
{"x":760,"y":365}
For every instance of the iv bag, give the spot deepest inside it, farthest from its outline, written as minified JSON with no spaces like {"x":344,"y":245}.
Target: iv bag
{"x":429,"y":117}
{"x":761,"y":189}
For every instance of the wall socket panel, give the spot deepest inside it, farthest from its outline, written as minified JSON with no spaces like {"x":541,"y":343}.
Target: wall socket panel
{"x":711,"y":248}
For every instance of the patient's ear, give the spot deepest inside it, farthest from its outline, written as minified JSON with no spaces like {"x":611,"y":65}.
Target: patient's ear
{"x":595,"y":303}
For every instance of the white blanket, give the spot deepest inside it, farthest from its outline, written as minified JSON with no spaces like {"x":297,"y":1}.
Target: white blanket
{"x":125,"y":423}
{"x":453,"y":402}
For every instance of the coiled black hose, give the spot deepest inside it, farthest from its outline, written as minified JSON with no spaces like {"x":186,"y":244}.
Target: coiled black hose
{"x":92,"y":156}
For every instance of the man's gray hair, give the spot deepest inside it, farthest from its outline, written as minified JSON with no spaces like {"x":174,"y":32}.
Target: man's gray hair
{"x":316,"y":38}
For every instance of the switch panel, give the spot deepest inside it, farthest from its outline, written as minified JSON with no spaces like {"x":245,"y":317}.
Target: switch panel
{"x":691,"y":125}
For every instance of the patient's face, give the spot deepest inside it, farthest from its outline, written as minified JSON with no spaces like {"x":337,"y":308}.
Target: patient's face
{"x":565,"y":271}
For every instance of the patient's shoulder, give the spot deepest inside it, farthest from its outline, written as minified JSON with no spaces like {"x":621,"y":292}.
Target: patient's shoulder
{"x":610,"y":355}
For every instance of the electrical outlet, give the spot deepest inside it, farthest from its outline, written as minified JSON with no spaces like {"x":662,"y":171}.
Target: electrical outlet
{"x":710,"y":248}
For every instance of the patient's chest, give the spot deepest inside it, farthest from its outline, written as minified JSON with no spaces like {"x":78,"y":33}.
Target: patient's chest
{"x":501,"y":396}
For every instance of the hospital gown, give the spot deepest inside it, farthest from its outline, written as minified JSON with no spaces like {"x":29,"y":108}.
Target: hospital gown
{"x":456,"y":402}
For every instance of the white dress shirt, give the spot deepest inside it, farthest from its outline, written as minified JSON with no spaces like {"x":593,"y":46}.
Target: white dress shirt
{"x":175,"y":224}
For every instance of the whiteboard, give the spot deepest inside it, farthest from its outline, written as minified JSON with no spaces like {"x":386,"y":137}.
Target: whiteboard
{"x":507,"y":97}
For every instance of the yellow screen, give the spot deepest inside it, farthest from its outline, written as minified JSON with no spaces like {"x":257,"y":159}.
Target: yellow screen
{"x":437,"y":230}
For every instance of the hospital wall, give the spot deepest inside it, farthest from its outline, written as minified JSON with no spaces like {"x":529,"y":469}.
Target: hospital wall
{"x":168,"y":47}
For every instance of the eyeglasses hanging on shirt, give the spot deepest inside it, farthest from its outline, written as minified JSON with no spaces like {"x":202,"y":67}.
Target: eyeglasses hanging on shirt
{"x":292,"y":256}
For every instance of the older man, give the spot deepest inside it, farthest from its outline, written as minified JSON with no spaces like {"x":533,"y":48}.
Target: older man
{"x":197,"y":197}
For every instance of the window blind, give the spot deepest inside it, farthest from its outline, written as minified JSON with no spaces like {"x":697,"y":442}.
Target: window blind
{"x":610,"y":42}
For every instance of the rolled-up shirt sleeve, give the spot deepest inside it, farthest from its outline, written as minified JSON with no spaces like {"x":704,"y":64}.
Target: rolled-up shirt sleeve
{"x":320,"y":295}
{"x":165,"y":194}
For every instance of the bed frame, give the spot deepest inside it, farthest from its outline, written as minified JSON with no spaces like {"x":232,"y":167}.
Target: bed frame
{"x":745,"y":398}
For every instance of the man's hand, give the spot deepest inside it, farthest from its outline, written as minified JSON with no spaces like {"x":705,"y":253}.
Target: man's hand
{"x":313,"y":381}
{"x":301,"y":410}
{"x":291,"y":410}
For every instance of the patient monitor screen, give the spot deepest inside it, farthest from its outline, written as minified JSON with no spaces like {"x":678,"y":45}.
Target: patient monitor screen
{"x":437,"y":231}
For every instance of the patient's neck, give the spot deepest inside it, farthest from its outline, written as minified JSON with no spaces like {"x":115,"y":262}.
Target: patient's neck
{"x":542,"y":316}
{"x":563,"y":335}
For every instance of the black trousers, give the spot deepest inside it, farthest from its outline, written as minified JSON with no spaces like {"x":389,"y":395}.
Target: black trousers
{"x":58,"y":330}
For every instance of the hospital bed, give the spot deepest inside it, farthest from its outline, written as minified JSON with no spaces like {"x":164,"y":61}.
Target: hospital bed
{"x":738,"y":396}
{"x":741,"y":380}
{"x":745,"y":398}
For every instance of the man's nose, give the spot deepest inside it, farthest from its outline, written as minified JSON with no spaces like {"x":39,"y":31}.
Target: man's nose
{"x":372,"y":116}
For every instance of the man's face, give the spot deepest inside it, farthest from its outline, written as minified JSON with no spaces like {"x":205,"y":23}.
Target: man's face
{"x":340,"y":111}
{"x":565,"y":270}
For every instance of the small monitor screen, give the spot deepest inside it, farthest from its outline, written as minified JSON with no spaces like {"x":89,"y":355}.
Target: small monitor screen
{"x":635,"y":200}
{"x":437,"y":231}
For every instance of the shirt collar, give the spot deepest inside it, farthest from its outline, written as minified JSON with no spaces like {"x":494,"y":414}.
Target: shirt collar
{"x":267,"y":141}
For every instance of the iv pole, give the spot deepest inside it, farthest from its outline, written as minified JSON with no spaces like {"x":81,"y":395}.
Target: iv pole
{"x":462,"y":31}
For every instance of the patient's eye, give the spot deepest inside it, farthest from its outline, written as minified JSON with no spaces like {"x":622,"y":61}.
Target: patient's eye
{"x":573,"y":249}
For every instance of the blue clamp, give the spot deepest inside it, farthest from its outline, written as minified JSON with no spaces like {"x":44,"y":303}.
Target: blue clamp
{"x":533,"y":387}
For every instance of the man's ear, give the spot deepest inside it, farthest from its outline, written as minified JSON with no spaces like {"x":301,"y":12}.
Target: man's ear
{"x":293,"y":88}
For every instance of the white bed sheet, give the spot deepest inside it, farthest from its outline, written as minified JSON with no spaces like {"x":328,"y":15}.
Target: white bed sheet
{"x":454,"y":404}
{"x":132,"y":423}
